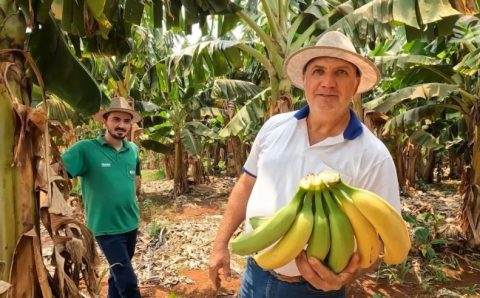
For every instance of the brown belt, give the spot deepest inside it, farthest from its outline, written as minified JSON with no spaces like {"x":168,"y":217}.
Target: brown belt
{"x":286,"y":278}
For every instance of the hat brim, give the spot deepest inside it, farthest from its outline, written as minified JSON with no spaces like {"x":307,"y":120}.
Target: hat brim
{"x":295,"y":64}
{"x":136,"y":117}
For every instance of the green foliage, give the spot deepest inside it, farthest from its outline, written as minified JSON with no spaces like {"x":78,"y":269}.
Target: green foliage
{"x":153,"y":175}
{"x":470,"y":290}
{"x":62,"y":73}
{"x":393,"y":273}
{"x":156,"y":229}
{"x":424,"y":227}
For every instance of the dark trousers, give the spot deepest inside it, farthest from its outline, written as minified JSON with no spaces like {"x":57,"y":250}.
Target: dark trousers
{"x":119,"y":250}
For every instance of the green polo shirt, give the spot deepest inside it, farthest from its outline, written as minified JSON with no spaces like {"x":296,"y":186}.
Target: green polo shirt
{"x":108,"y":184}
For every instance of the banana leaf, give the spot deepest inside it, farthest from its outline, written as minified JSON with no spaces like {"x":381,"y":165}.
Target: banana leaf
{"x":157,"y":146}
{"x":414,"y":116}
{"x":375,"y":20}
{"x":425,"y":139}
{"x":133,"y":11}
{"x":210,"y":112}
{"x":62,"y":73}
{"x":385,"y":103}
{"x":191,"y":142}
{"x":201,"y":129}
{"x":236,"y":90}
{"x":250,"y":114}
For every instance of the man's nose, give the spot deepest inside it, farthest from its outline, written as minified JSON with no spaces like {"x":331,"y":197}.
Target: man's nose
{"x":328,"y":80}
{"x":122,"y":125}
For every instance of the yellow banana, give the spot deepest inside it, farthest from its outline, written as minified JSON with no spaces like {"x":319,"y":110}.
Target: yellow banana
{"x":271,"y":230}
{"x":292,"y":242}
{"x":319,"y":242}
{"x":385,"y":219}
{"x":342,"y":243}
{"x":368,"y":246}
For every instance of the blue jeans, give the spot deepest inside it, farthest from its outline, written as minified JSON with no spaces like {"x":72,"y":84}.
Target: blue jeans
{"x":259,"y":283}
{"x":119,"y":250}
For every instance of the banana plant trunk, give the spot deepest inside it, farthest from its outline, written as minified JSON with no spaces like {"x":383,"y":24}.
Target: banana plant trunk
{"x":413,"y":154}
{"x":455,"y":164}
{"x":470,"y":219}
{"x":168,"y":162}
{"x":234,"y":166}
{"x":19,"y":227}
{"x":280,"y":100}
{"x":429,"y":166}
{"x":180,"y":182}
{"x":198,"y":174}
{"x":399,"y":160}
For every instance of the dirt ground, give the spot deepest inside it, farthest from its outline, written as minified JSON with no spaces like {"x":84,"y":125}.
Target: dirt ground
{"x":176,"y":235}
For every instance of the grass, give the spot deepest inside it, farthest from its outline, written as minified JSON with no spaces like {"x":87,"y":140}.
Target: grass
{"x":152,"y":175}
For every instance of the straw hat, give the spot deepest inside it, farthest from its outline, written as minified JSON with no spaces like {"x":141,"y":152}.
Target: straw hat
{"x":118,"y":104}
{"x":332,"y":44}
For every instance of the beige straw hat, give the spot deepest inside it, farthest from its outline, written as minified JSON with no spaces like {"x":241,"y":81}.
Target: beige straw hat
{"x":118,"y":104}
{"x":332,"y":44}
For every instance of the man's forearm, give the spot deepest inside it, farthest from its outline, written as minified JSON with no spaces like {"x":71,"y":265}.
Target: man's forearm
{"x":236,"y":209}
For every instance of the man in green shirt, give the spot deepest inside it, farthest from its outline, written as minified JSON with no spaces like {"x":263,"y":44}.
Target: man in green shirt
{"x":109,"y":167}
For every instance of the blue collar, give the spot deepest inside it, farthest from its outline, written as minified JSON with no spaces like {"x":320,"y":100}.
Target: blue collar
{"x":354,"y":127}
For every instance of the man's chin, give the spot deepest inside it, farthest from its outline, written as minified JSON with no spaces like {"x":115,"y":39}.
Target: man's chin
{"x":119,"y":137}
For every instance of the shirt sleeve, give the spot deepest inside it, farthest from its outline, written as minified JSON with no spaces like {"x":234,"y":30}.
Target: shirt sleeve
{"x":250,"y":167}
{"x":382,"y":180}
{"x":74,"y":160}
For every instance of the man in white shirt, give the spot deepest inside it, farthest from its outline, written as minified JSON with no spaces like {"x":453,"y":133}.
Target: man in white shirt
{"x":323,"y":135}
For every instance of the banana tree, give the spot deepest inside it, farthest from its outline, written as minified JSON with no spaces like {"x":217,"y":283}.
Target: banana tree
{"x":275,"y":30}
{"x":29,"y":192}
{"x":446,"y":58}
{"x":236,"y":97}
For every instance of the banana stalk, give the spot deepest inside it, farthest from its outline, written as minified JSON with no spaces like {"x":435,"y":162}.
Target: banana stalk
{"x":7,"y":206}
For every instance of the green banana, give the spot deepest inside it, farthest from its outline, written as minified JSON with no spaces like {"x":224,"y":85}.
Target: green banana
{"x":292,"y":242}
{"x":271,"y":230}
{"x":319,"y":242}
{"x":368,"y":246}
{"x":256,"y":221}
{"x":385,"y":219}
{"x":342,"y":242}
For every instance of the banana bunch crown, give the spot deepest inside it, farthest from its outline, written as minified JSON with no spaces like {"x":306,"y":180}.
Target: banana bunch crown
{"x":332,"y":220}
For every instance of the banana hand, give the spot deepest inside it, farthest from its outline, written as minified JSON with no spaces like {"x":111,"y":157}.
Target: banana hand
{"x":292,"y":242}
{"x":271,"y":230}
{"x":385,"y":219}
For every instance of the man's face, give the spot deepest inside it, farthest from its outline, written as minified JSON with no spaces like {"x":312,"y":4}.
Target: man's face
{"x":329,"y":84}
{"x":118,"y":124}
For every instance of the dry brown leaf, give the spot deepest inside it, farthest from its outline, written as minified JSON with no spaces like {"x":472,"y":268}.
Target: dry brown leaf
{"x":4,"y":286}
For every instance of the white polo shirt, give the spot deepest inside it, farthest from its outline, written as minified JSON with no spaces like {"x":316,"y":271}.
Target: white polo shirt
{"x":281,"y":155}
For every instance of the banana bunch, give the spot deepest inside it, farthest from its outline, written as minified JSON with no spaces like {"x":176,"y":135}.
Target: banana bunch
{"x":332,"y":220}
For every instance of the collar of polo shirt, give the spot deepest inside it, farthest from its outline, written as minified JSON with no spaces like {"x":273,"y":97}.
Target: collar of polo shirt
{"x":354,"y":127}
